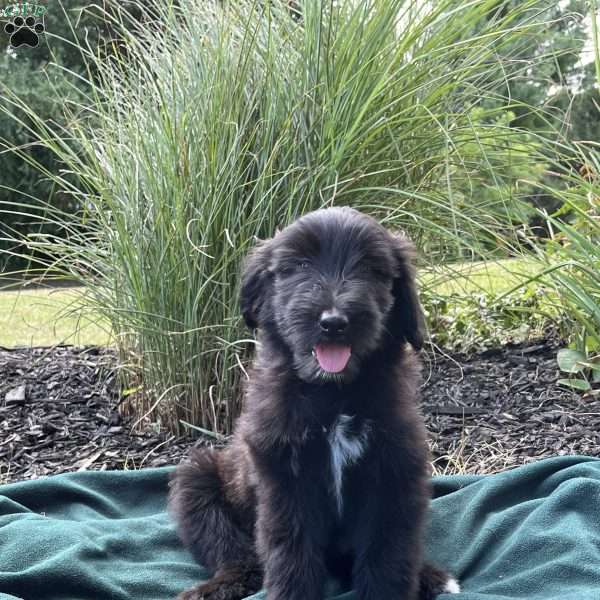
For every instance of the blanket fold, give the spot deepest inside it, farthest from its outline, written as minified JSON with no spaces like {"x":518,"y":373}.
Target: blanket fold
{"x":532,"y":532}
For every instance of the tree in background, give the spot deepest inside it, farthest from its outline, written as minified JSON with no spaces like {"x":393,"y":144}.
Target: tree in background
{"x":554,"y":97}
{"x":553,"y":51}
{"x":47,"y":78}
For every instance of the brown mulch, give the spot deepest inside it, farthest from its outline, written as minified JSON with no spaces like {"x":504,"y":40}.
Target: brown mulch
{"x":61,"y":414}
{"x":490,"y":411}
{"x":503,"y":408}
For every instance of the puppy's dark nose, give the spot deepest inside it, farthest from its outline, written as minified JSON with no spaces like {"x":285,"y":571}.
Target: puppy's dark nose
{"x":332,"y":322}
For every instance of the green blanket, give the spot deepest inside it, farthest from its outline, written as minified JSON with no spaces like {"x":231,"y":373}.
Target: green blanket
{"x":532,"y":533}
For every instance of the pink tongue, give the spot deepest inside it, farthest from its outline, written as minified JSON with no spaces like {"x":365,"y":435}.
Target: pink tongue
{"x":332,"y":358}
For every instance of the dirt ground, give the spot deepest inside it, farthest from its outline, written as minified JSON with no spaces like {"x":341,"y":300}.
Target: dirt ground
{"x":485,"y":413}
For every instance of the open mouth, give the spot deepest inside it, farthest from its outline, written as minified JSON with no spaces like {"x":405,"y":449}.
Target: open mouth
{"x":332,"y":358}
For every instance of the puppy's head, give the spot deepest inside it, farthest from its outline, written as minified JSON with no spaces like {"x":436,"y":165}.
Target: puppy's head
{"x":334,"y":287}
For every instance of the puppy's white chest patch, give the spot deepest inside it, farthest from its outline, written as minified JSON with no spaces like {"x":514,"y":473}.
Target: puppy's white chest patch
{"x":346,"y":448}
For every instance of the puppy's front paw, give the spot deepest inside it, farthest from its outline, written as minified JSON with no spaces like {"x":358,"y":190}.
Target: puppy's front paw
{"x":200,"y":592}
{"x":189,"y":595}
{"x":216,"y":591}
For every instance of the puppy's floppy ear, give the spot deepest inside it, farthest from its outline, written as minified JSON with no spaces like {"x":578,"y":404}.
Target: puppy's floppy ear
{"x":256,"y":281}
{"x":407,"y":319}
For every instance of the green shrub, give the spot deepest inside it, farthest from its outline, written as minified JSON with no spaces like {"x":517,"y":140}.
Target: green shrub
{"x":479,"y":321}
{"x":571,"y":257}
{"x":223,"y":122}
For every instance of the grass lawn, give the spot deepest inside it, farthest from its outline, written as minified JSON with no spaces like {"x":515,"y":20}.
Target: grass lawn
{"x":36,"y":317}
{"x":493,"y":277}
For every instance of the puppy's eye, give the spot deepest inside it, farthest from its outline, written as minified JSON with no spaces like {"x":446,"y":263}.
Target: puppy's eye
{"x":289,"y":269}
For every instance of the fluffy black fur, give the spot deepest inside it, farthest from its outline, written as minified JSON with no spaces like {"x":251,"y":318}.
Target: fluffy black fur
{"x":266,"y":510}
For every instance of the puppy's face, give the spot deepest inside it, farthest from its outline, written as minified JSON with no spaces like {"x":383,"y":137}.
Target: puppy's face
{"x":334,"y":286}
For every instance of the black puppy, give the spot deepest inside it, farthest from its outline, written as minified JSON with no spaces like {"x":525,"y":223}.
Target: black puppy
{"x":327,"y":471}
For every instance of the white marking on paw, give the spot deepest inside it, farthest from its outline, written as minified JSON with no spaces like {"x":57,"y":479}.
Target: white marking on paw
{"x":346,"y":449}
{"x":452,"y":586}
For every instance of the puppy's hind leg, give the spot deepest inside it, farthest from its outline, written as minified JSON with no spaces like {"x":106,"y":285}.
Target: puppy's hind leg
{"x":210,"y":527}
